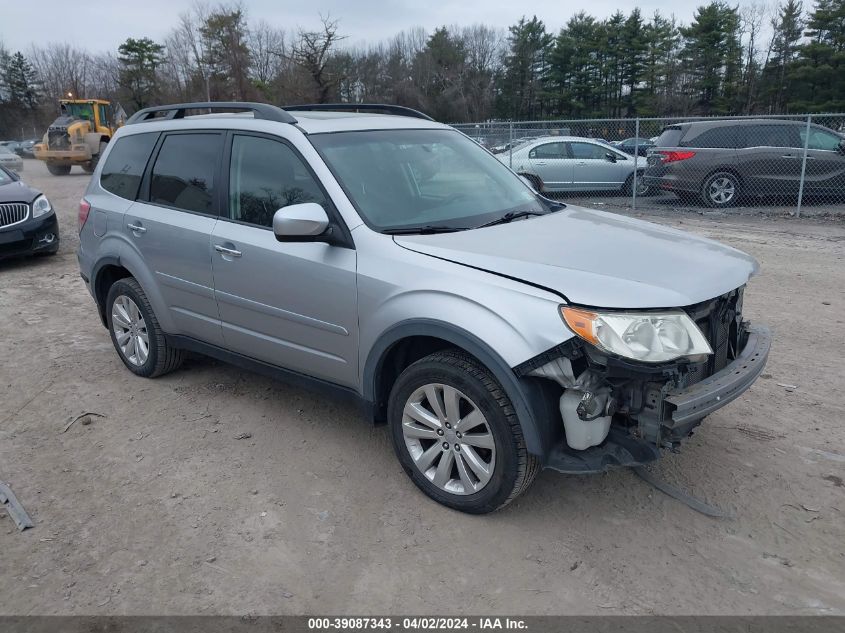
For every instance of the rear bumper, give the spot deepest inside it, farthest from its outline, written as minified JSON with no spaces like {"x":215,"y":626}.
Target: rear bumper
{"x":690,"y":405}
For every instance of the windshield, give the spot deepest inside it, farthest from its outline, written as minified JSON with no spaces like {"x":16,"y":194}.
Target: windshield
{"x":406,"y":179}
{"x":79,"y":110}
{"x":5,"y":178}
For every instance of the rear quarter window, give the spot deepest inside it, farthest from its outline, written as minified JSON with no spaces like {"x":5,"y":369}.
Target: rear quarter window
{"x":125,"y":164}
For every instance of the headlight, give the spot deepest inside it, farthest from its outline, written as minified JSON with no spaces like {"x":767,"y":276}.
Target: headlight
{"x":40,"y":207}
{"x":651,"y":337}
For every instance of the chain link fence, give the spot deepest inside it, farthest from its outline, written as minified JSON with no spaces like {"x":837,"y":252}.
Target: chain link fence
{"x":772,"y":164}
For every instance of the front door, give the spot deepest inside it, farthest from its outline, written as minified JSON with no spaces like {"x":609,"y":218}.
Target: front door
{"x":293,"y":305}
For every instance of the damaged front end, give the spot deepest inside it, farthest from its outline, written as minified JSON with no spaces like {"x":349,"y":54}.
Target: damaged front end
{"x":620,"y":412}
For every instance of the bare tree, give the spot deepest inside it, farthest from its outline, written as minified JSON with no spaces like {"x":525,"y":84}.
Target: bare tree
{"x":313,"y":51}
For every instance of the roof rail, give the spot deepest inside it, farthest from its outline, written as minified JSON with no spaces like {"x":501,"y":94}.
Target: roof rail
{"x":177,"y":111}
{"x":376,"y":108}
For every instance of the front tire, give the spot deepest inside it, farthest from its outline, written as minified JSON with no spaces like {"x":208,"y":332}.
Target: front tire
{"x":136,"y":333}
{"x":721,"y":190}
{"x":457,"y":435}
{"x":58,"y":169}
{"x":642,"y":188}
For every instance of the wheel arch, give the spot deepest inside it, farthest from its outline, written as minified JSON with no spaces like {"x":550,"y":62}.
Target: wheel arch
{"x":411,"y":340}
{"x":111,"y":268}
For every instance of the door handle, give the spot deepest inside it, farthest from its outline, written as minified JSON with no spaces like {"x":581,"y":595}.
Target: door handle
{"x":136,"y":228}
{"x":540,"y":163}
{"x":227,"y":251}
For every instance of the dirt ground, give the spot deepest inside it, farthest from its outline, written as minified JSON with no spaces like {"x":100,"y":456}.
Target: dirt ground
{"x":156,"y":507}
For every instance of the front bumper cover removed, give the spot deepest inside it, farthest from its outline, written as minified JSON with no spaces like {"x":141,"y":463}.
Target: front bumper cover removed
{"x":682,"y":410}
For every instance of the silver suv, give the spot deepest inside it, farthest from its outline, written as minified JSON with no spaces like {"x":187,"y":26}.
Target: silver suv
{"x":390,"y":258}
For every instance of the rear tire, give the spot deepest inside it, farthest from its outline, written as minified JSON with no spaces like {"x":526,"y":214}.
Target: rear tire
{"x":721,"y":190}
{"x":58,"y":170}
{"x":642,"y":188}
{"x":136,"y":333}
{"x":488,"y":464}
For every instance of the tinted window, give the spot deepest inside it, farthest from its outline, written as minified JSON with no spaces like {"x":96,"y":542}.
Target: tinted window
{"x":183,"y":174}
{"x":588,"y":151}
{"x":265,"y":176}
{"x":820,"y":139}
{"x":125,"y":165}
{"x":771,"y":136}
{"x":548,"y":150}
{"x":727,"y":136}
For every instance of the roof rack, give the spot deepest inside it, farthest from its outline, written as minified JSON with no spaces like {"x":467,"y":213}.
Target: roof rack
{"x":177,"y":111}
{"x":375,"y":108}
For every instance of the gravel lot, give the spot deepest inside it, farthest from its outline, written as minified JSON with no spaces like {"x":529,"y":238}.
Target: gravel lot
{"x":156,"y":507}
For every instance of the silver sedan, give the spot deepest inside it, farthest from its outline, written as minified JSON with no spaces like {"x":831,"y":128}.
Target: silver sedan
{"x":572,"y":163}
{"x":10,"y":160}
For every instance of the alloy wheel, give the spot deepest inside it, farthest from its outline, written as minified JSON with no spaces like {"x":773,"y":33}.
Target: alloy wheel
{"x":721,"y":190}
{"x":449,"y":439}
{"x":130,"y":330}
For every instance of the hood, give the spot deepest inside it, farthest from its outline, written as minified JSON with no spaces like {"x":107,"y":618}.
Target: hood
{"x":17,"y":192}
{"x":597,"y":259}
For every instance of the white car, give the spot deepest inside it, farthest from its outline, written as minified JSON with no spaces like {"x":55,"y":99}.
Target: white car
{"x":574,"y":163}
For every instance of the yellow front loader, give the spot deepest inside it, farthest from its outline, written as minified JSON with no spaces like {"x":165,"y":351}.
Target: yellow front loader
{"x":78,"y":137}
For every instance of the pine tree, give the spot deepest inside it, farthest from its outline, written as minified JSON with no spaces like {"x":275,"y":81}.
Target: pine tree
{"x":139,"y":61}
{"x":19,"y":81}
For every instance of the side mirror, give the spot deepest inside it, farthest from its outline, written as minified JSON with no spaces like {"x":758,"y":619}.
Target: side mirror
{"x":306,"y":222}
{"x":610,"y":157}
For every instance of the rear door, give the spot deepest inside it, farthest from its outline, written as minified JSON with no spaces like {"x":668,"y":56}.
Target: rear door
{"x":290,"y":304}
{"x":551,"y":163}
{"x":171,"y":227}
{"x":594,"y":171}
{"x":769,"y":159}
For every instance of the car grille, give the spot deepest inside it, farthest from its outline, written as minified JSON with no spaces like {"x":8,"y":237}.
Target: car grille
{"x":12,"y":213}
{"x":719,"y":320}
{"x":58,"y":139}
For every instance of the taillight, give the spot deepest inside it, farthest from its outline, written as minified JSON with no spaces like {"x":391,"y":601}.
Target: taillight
{"x":671,"y":157}
{"x":84,"y":210}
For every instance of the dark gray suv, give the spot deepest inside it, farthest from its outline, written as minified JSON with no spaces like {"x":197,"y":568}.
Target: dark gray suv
{"x":719,"y":162}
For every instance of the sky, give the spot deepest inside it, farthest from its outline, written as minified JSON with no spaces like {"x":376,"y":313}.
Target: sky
{"x":102,"y":25}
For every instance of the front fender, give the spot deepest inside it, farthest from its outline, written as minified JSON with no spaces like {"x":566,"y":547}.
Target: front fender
{"x":526,"y":395}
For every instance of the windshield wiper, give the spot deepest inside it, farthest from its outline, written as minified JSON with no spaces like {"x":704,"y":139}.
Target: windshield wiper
{"x":509,"y":216}
{"x":424,"y":230}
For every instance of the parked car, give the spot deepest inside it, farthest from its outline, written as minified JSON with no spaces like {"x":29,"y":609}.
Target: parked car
{"x":10,"y":160}
{"x":718,"y":163}
{"x":574,"y":163}
{"x":634,"y":145}
{"x":391,"y":259}
{"x":25,"y":148}
{"x":28,"y":223}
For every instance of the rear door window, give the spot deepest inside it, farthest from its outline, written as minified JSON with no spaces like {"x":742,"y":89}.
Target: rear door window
{"x":771,"y":136}
{"x":126,"y":163}
{"x":183,"y":176}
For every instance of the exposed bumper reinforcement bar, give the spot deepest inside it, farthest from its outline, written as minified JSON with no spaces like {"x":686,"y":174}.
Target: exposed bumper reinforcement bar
{"x":702,"y":398}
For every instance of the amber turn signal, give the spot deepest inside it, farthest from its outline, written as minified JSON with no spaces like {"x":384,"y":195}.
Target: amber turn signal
{"x":582,"y":322}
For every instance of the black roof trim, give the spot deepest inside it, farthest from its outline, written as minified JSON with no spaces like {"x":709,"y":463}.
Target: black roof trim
{"x":374,"y":108}
{"x":263,"y":111}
